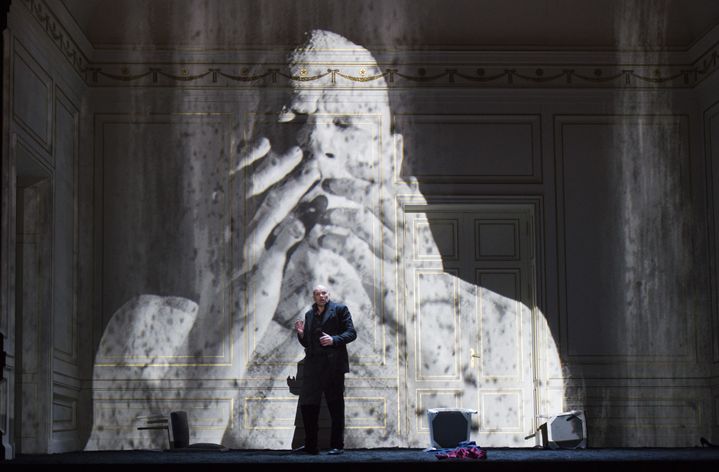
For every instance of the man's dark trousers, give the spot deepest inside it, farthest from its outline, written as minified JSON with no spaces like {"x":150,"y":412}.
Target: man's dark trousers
{"x":320,"y":379}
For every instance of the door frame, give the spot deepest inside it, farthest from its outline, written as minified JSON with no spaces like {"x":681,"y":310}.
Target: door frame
{"x":416,"y":203}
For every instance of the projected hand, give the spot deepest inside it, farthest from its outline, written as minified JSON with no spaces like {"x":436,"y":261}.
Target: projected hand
{"x":277,"y":182}
{"x":351,"y":243}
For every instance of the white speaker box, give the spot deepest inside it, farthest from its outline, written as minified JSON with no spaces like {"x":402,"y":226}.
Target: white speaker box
{"x":567,"y":430}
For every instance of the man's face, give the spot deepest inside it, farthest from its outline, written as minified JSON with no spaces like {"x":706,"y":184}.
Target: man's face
{"x":321,"y":296}
{"x":342,"y":137}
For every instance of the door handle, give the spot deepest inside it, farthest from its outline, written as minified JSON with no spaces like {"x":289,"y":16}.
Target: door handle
{"x":472,"y":356}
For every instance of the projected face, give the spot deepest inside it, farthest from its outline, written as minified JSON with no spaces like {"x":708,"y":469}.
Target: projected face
{"x":317,"y":181}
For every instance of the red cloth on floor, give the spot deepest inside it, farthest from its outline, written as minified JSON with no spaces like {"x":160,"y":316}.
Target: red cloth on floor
{"x":471,"y":452}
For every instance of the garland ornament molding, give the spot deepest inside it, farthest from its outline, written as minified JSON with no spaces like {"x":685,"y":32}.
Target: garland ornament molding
{"x":431,"y":75}
{"x":440,"y":76}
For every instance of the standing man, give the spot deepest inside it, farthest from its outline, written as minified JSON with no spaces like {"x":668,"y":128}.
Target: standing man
{"x":324,"y":332}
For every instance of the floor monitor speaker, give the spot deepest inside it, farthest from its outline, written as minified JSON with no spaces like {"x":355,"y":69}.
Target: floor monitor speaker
{"x":449,"y":426}
{"x":180,"y":429}
{"x":566,"y":430}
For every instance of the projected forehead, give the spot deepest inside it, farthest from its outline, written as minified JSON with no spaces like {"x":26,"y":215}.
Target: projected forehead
{"x":345,"y":96}
{"x":346,"y":124}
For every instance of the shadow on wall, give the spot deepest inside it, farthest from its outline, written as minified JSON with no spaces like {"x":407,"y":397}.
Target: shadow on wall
{"x":652,"y":250}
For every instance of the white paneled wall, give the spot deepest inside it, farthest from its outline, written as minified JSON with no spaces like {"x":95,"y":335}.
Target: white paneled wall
{"x":596,"y":297}
{"x":42,"y":318}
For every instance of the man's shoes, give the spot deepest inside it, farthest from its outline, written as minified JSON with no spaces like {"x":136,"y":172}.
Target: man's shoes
{"x":305,"y":450}
{"x":335,"y":452}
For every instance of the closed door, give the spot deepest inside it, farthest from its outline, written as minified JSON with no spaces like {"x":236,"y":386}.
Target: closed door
{"x":467,"y":276}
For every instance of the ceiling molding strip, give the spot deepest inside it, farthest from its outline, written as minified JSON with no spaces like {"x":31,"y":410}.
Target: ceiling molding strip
{"x":519,"y":75}
{"x":58,"y":35}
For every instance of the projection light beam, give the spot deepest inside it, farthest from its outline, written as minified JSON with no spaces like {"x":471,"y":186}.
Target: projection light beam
{"x":324,"y":208}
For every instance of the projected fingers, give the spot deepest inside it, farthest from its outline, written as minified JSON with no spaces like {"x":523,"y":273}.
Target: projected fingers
{"x":352,"y":189}
{"x":357,"y":251}
{"x":269,"y":167}
{"x":364,"y":225}
{"x":272,"y":169}
{"x":285,"y":235}
{"x":251,"y":153}
{"x":362,"y":266}
{"x":277,"y":204}
{"x":264,"y":283}
{"x":367,"y":194}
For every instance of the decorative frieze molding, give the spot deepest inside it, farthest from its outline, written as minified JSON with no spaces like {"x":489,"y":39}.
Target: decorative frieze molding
{"x":542,"y":70}
{"x":57,"y":33}
{"x":480,"y":76}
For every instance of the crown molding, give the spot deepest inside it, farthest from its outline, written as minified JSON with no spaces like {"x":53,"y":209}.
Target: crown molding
{"x":704,"y":45}
{"x":248,"y":68}
{"x":402,"y":76}
{"x":70,"y":41}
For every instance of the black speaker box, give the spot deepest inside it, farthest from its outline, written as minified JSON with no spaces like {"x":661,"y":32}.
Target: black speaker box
{"x":449,"y":426}
{"x":180,"y":430}
{"x":180,"y":439}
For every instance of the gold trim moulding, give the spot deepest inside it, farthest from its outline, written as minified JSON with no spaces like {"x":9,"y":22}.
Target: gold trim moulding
{"x":274,"y":75}
{"x":687,"y":75}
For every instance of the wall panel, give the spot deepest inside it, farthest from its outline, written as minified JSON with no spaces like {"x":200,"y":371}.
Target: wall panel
{"x":164,"y":188}
{"x":635,"y":416}
{"x":65,"y":318}
{"x":32,"y":97}
{"x":711,"y":146}
{"x":614,"y":285}
{"x":471,"y":148}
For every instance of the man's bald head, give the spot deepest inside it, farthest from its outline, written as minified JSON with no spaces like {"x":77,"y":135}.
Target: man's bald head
{"x":320,"y":288}
{"x":321,"y":295}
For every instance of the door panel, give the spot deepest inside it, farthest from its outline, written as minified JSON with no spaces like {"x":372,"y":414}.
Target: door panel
{"x":468,"y":289}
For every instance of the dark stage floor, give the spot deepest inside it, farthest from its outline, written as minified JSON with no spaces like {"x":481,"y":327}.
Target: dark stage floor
{"x":685,"y":459}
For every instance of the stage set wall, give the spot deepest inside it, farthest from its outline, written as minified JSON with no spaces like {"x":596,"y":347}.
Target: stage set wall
{"x":125,"y":164}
